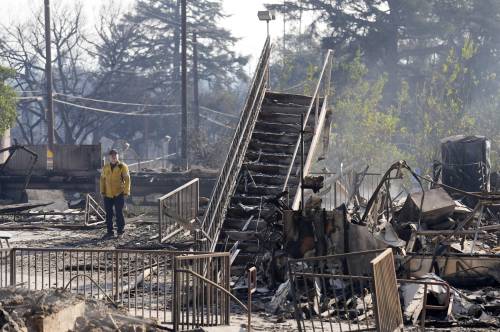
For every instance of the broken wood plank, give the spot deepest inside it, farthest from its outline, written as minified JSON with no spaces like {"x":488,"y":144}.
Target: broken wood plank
{"x":14,"y":208}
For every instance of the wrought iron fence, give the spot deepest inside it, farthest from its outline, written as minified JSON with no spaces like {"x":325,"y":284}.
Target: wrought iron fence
{"x":5,"y":275}
{"x":201,"y":284}
{"x":332,"y":293}
{"x":177,"y":209}
{"x":328,"y":296}
{"x":141,"y":281}
{"x":226,"y":182}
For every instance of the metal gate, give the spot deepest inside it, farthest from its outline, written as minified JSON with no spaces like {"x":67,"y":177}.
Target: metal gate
{"x":142,"y":281}
{"x":201,"y":289}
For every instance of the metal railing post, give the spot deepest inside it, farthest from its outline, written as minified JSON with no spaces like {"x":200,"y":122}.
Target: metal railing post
{"x":227,"y":285}
{"x":13,"y":267}
{"x":302,"y":203}
{"x":316,"y":111}
{"x":116,"y":275}
{"x":176,"y":297}
{"x":87,"y":209}
{"x":252,"y":286}
{"x":160,"y":219}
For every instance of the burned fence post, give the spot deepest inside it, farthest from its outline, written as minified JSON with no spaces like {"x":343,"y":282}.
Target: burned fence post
{"x":252,"y":287}
{"x":13,"y":267}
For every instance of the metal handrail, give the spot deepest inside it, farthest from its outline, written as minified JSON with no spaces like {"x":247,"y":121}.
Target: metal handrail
{"x":319,"y":116}
{"x":226,"y":182}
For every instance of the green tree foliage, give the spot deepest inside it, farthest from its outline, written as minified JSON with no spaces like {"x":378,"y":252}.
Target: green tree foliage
{"x":7,"y":100}
{"x":362,"y":124}
{"x":156,"y":39}
{"x":442,"y":104}
{"x":402,"y":37}
{"x":412,"y":73}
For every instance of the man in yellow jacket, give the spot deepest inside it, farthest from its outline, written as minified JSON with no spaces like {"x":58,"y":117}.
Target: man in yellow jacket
{"x":115,"y":187}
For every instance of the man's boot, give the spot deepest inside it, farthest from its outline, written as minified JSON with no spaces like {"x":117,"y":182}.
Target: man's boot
{"x":108,"y":236}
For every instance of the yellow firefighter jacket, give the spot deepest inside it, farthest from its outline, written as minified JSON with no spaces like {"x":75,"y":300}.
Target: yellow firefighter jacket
{"x":115,"y":181}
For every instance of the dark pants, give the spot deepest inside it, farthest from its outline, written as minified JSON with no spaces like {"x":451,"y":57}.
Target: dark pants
{"x":118,"y":202}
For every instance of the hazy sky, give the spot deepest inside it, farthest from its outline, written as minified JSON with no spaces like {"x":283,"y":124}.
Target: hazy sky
{"x":243,"y":21}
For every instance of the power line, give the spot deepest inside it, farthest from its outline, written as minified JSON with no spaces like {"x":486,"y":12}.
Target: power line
{"x":113,"y":112}
{"x":116,"y":102}
{"x":99,"y":110}
{"x":144,"y":105}
{"x":30,"y":98}
{"x":28,"y":91}
{"x":216,"y":122}
{"x":220,"y":113}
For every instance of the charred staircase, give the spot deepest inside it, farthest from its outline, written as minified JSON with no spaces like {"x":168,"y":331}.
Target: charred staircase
{"x":264,"y":159}
{"x":263,"y":174}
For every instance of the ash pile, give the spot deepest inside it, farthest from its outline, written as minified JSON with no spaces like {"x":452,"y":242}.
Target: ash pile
{"x":23,"y":310}
{"x":443,"y":232}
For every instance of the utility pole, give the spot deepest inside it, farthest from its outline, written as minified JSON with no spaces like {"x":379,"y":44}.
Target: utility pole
{"x":48,"y":77}
{"x":184,"y":152}
{"x":196,"y":100}
{"x":284,"y":33}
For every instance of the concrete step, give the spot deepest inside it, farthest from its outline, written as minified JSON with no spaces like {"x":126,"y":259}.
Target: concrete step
{"x":249,"y":200}
{"x":235,"y":211}
{"x":238,"y":223}
{"x":272,"y":126}
{"x":269,"y":157}
{"x":278,"y":137}
{"x":265,"y":179}
{"x":283,"y":118}
{"x":267,"y":168}
{"x":259,"y":189}
{"x":284,"y":108}
{"x":268,"y":147}
{"x":286,"y":98}
{"x":257,"y":145}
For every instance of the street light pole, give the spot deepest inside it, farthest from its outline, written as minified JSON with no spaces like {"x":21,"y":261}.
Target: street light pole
{"x":267,"y":15}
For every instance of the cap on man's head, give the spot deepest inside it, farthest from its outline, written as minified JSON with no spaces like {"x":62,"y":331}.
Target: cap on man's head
{"x":113,"y":152}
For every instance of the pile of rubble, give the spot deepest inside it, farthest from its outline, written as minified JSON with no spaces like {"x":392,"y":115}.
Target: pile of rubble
{"x":442,"y":236}
{"x":57,"y":310}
